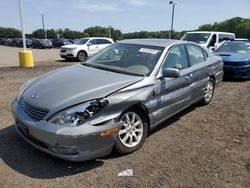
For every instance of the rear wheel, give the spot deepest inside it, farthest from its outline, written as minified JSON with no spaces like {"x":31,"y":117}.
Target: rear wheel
{"x":133,"y":132}
{"x":209,"y":92}
{"x":81,"y":56}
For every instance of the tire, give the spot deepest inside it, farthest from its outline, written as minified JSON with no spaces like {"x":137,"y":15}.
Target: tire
{"x":126,"y":141}
{"x":81,"y":56}
{"x":209,"y":92}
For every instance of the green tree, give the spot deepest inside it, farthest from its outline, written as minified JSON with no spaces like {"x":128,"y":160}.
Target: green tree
{"x":51,"y":34}
{"x":9,"y":32}
{"x":39,"y":33}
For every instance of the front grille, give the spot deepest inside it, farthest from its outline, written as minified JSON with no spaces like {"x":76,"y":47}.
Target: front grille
{"x":35,"y":112}
{"x":63,"y":49}
{"x":236,"y":64}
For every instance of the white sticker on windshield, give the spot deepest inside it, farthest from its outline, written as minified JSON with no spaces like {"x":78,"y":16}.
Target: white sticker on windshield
{"x":147,"y":50}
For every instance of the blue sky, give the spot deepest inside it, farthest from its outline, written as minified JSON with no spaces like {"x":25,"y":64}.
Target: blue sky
{"x":126,"y":15}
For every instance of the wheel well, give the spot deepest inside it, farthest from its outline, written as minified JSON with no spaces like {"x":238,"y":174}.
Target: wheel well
{"x":144,"y":110}
{"x":212,"y":77}
{"x":84,"y":52}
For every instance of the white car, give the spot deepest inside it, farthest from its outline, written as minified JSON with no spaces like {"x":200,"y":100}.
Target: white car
{"x":84,"y":48}
{"x":208,"y":39}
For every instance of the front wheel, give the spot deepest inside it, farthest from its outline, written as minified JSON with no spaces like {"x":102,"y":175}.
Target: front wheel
{"x":81,"y":56}
{"x":209,"y":92}
{"x":133,"y":132}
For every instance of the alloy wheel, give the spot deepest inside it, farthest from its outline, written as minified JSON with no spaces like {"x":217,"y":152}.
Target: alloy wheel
{"x":131,"y":132}
{"x":209,"y":90}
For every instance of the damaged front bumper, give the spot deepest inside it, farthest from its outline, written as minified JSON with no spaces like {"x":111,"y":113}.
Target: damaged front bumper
{"x":70,"y":143}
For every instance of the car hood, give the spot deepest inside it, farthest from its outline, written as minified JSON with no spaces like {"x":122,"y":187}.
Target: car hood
{"x":234,"y":57}
{"x":72,"y":85}
{"x":72,"y":46}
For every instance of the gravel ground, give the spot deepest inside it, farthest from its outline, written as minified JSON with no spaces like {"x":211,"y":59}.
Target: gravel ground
{"x":203,"y":146}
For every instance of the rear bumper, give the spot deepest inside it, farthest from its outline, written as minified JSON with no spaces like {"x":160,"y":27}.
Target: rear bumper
{"x":236,"y":71}
{"x":69,"y":143}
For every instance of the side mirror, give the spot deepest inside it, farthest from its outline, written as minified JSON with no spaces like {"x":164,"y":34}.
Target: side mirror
{"x":89,"y":44}
{"x":171,"y":73}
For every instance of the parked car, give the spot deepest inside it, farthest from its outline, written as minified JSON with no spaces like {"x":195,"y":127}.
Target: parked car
{"x":241,"y":39}
{"x":72,"y":41}
{"x":2,"y":41}
{"x":57,"y":43}
{"x":208,"y":39}
{"x":15,"y":41}
{"x":113,"y":99}
{"x":7,"y":42}
{"x":28,"y":43}
{"x":236,"y":57}
{"x":84,"y":47}
{"x":41,"y":43}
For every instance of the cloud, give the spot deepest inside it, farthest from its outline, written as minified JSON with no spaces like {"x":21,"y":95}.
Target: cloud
{"x":138,"y":2}
{"x":98,"y":7}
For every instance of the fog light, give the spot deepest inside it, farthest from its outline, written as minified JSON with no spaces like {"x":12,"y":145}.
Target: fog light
{"x":66,"y":151}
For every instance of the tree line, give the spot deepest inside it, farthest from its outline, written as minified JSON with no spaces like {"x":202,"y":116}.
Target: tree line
{"x":237,"y":25}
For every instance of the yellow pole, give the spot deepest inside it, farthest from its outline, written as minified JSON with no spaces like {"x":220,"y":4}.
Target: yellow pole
{"x":25,"y":57}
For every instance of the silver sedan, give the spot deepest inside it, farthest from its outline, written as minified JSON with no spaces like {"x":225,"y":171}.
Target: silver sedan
{"x":115,"y":98}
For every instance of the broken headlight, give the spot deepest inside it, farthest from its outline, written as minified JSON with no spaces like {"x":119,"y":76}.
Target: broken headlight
{"x":78,"y":115}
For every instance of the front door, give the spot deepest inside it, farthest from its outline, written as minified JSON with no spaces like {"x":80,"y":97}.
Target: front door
{"x":173,"y":94}
{"x":93,"y":47}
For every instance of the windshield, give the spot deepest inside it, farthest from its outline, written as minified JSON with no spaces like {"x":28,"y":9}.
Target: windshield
{"x":235,"y":47}
{"x":81,"y":41}
{"x":200,"y":38}
{"x":138,"y":60}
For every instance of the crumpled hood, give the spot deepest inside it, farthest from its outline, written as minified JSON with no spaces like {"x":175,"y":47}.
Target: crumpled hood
{"x":72,"y":85}
{"x":234,"y":57}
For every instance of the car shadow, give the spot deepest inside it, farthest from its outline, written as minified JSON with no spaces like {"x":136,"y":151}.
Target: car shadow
{"x":67,"y":61}
{"x":235,"y":79}
{"x":25,"y":159}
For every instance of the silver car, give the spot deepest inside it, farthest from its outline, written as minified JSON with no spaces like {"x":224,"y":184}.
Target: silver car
{"x":113,"y":99}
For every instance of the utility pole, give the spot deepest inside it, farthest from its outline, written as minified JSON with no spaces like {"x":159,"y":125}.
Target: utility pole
{"x":25,"y":57}
{"x":172,"y":20}
{"x":45,"y":33}
{"x":22,"y":24}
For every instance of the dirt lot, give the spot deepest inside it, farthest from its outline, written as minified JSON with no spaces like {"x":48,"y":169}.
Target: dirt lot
{"x":203,"y":146}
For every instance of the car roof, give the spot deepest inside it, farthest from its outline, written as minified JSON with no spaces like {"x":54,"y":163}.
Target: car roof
{"x":219,"y":32}
{"x":153,"y":42}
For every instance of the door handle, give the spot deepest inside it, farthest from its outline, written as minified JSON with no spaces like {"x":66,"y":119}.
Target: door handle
{"x":189,"y":77}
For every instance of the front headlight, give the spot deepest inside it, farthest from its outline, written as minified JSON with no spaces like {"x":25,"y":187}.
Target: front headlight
{"x":78,"y":115}
{"x":22,"y":88}
{"x":71,"y":49}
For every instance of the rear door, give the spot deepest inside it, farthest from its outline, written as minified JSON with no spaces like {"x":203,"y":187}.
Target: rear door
{"x":201,"y":70}
{"x":173,"y":94}
{"x":103,"y":43}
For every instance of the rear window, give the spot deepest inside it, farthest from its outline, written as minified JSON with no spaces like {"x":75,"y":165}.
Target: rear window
{"x":196,"y":54}
{"x":103,"y":41}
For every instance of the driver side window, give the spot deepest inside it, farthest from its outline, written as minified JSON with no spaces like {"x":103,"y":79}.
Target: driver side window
{"x":177,"y":58}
